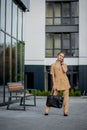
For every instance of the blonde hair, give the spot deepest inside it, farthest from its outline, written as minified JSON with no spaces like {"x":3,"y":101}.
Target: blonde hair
{"x":60,"y":53}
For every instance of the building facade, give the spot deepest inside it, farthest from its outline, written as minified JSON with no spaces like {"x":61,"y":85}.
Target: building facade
{"x":53,"y":26}
{"x":11,"y":43}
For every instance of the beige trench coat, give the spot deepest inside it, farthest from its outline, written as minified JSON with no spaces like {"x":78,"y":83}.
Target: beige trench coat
{"x":60,"y":77}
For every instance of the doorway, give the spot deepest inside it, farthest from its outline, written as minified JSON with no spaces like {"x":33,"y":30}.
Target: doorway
{"x":30,"y":80}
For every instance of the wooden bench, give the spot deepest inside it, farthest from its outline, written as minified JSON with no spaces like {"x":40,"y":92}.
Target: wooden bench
{"x":17,"y":91}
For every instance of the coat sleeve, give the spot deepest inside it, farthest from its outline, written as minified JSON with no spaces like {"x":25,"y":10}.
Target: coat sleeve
{"x":52,"y":69}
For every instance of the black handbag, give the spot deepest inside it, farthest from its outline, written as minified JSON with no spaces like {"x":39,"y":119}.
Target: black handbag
{"x":54,"y":101}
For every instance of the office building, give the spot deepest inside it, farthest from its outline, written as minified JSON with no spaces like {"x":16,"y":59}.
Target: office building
{"x":12,"y":44}
{"x":53,"y":26}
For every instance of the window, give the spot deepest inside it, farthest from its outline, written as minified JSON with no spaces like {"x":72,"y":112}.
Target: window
{"x":49,"y":14}
{"x":8,"y":16}
{"x":7,"y":59}
{"x":57,"y":14}
{"x":1,"y":56}
{"x":14,"y":61}
{"x":49,"y":45}
{"x":73,"y":76}
{"x":19,"y":24}
{"x":61,"y":13}
{"x":11,"y":45}
{"x":14,"y":24}
{"x":3,"y":14}
{"x":67,"y":42}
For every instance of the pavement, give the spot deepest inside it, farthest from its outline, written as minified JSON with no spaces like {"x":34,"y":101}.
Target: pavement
{"x":33,"y":118}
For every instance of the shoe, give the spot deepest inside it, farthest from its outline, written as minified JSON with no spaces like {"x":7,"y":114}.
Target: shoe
{"x":65,"y":114}
{"x":46,"y":114}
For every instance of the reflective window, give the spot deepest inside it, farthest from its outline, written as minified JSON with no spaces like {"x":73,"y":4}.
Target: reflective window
{"x":49,"y":14}
{"x":19,"y":24}
{"x":3,"y":14}
{"x":18,"y":61}
{"x":8,"y":16}
{"x":62,"y":13}
{"x":67,"y":42}
{"x":57,"y":14}
{"x":74,"y":9}
{"x":74,"y":12}
{"x":1,"y":56}
{"x":49,"y":44}
{"x":14,"y":23}
{"x":22,"y":65}
{"x":57,"y":44}
{"x":73,"y":76}
{"x":1,"y":65}
{"x":11,"y":50}
{"x":75,"y":44}
{"x":7,"y":59}
{"x":14,"y":44}
{"x":66,"y":10}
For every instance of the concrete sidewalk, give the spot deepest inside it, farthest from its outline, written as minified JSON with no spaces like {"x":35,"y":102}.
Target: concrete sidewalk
{"x":33,"y":118}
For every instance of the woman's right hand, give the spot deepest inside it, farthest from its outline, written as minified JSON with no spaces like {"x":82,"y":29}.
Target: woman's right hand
{"x":54,"y":87}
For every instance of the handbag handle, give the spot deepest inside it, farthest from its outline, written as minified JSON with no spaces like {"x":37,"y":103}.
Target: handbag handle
{"x":59,"y":92}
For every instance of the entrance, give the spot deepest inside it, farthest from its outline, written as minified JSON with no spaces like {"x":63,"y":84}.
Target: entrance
{"x":29,"y":80}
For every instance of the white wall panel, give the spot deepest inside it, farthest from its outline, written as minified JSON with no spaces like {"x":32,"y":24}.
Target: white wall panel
{"x":68,"y":61}
{"x":35,"y":32}
{"x":82,"y":32}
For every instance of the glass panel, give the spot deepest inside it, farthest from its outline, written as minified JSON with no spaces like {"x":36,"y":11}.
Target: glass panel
{"x":57,"y":41}
{"x":49,"y":41}
{"x":65,"y":20}
{"x":74,"y":20}
{"x":74,"y":44}
{"x":14,"y":25}
{"x":18,"y":61}
{"x":49,"y":14}
{"x":56,"y":52}
{"x":8,"y":16}
{"x":7,"y":59}
{"x":19,"y":24}
{"x":57,"y":21}
{"x":66,"y":41}
{"x":66,"y":44}
{"x":14,"y":43}
{"x":49,"y":53}
{"x":23,"y":51}
{"x":1,"y":65}
{"x":74,"y":9}
{"x":1,"y":56}
{"x":49,"y":21}
{"x":57,"y":10}
{"x":3,"y":14}
{"x":23,"y":26}
{"x":65,"y":10}
{"x":49,"y":10}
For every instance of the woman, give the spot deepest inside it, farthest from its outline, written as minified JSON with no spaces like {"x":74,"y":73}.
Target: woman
{"x":60,"y":82}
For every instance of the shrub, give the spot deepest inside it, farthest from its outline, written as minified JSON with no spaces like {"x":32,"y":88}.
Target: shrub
{"x":72,"y":92}
{"x":42,"y":93}
{"x":77,"y":93}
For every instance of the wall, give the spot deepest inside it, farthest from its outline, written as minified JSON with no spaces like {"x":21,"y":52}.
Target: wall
{"x":82,"y":32}
{"x":35,"y":33}
{"x":83,"y":45}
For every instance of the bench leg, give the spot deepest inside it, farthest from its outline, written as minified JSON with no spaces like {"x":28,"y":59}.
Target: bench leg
{"x":34,"y":100}
{"x":9,"y":101}
{"x":22,"y":102}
